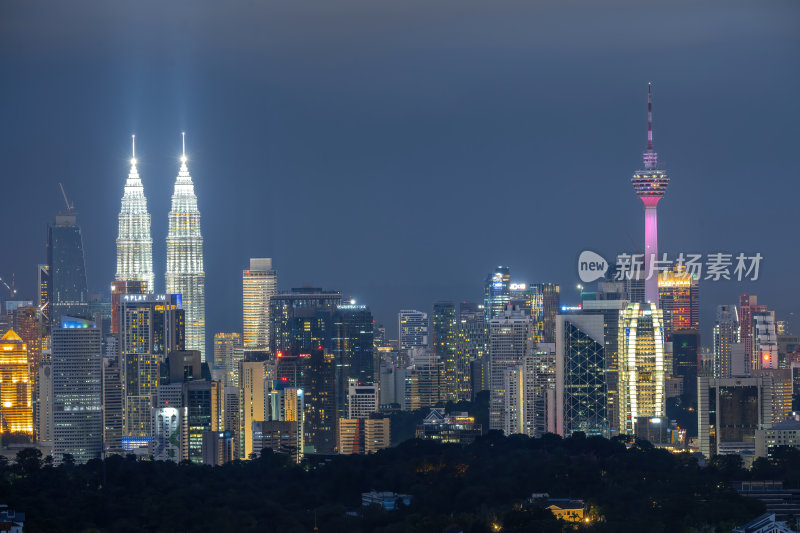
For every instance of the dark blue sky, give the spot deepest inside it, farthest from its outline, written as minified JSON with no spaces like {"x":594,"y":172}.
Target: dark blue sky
{"x":399,"y":150}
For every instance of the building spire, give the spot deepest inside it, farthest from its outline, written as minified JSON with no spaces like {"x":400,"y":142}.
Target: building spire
{"x":183,"y":141}
{"x":649,"y":117}
{"x":133,"y":150}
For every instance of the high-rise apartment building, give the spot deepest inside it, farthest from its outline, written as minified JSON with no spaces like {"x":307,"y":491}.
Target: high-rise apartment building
{"x":412,"y":327}
{"x":641,"y":366}
{"x":445,"y":335}
{"x":287,"y":404}
{"x":765,"y":340}
{"x":185,"y":274}
{"x":472,"y":351}
{"x":134,"y":244}
{"x":16,"y":386}
{"x":510,"y":339}
{"x":259,"y":284}
{"x":748,"y":306}
{"x":77,"y":367}
{"x":686,"y":359}
{"x":726,"y":334}
{"x":204,"y":405}
{"x":68,"y":290}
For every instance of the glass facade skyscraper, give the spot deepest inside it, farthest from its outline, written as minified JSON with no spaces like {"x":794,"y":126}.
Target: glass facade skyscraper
{"x":496,"y":292}
{"x":68,"y":289}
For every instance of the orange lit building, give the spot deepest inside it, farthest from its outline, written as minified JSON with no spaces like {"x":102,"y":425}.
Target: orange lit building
{"x":679,"y":298}
{"x":16,"y":410}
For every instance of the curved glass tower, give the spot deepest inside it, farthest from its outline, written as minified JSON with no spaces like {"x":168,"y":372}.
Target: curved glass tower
{"x":134,"y":244}
{"x":185,"y":274}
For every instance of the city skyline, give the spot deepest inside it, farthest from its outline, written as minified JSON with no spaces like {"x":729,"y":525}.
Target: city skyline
{"x":696,"y":126}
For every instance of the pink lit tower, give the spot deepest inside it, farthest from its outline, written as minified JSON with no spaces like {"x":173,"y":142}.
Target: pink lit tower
{"x":650,"y":185}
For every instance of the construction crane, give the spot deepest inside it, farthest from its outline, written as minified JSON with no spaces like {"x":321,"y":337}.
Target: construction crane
{"x":11,"y":290}
{"x":69,"y":205}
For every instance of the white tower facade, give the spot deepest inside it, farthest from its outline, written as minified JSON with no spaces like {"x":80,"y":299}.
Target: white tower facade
{"x":134,"y":244}
{"x":259,"y":284}
{"x":185,"y":275}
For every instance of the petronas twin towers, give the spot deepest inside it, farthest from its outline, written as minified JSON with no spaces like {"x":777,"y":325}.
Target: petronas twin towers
{"x":185,"y":274}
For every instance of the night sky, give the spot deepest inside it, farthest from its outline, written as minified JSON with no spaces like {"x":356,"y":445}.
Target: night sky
{"x":397,"y":151}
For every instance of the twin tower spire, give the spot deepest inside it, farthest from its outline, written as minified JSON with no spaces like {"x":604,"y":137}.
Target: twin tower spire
{"x":184,"y":274}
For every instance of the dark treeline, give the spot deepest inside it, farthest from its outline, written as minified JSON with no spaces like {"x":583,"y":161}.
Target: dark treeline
{"x":640,"y":488}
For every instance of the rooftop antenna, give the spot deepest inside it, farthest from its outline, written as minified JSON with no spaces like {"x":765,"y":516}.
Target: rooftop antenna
{"x":649,"y":117}
{"x":69,"y":205}
{"x":133,"y":149}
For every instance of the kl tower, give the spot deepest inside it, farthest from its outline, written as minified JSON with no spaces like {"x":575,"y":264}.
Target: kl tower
{"x":650,"y":185}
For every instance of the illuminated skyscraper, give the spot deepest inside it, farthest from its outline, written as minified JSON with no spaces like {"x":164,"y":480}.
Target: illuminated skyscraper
{"x":726,"y":334}
{"x":650,"y":185}
{"x":228,"y":352}
{"x":412,"y":328}
{"x":134,"y":244}
{"x":472,"y":351}
{"x":77,"y":370}
{"x":16,"y":386}
{"x":258,"y":285}
{"x":444,"y":346}
{"x":497,"y":292}
{"x":641,"y":366}
{"x":510,"y":340}
{"x":185,"y":274}
{"x":679,"y":299}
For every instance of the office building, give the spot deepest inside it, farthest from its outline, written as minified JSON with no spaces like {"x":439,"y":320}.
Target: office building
{"x":77,"y":369}
{"x":43,"y":299}
{"x":113,"y":405}
{"x":650,"y":184}
{"x":362,"y":399}
{"x":259,"y":284}
{"x":118,"y":289}
{"x":730,"y":411}
{"x":228,"y":353}
{"x":185,"y":275}
{"x":764,"y":340}
{"x":282,"y":437}
{"x":413,"y":329}
{"x":352,"y":345}
{"x":204,"y":405}
{"x":253,"y":379}
{"x":748,"y":306}
{"x":68,"y":290}
{"x":363,"y":435}
{"x":641,"y":367}
{"x":445,"y":334}
{"x":686,"y":360}
{"x":301,"y":318}
{"x":510,"y":339}
{"x":581,"y":391}
{"x":679,"y":300}
{"x":134,"y":244}
{"x":44,"y":405}
{"x":287,"y":404}
{"x":313,"y":372}
{"x":546,"y":299}
{"x":16,"y":386}
{"x":726,"y":334}
{"x":496,"y":292}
